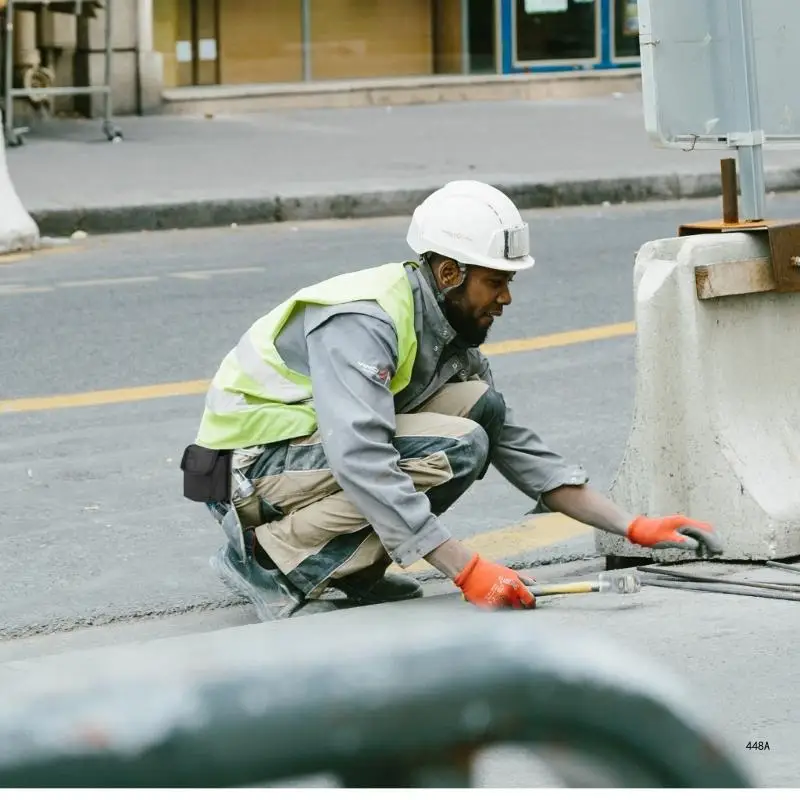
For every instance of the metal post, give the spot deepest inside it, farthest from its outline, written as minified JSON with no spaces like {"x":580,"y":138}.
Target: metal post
{"x":465,"y":54}
{"x":305,"y":27}
{"x":8,"y":105}
{"x":730,"y":197}
{"x":107,"y":71}
{"x":750,"y":150}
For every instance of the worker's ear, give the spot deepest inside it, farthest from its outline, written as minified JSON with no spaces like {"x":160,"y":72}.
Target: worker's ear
{"x":448,"y":274}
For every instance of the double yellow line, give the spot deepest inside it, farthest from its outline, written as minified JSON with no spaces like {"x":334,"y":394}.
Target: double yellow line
{"x":189,"y":388}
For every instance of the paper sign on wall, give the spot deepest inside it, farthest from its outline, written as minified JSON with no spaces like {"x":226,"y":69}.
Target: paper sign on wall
{"x":545,"y":6}
{"x":183,"y":52}
{"x":207,"y":49}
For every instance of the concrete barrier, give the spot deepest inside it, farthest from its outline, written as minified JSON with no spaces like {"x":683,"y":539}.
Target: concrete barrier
{"x":18,"y":231}
{"x":716,"y":425}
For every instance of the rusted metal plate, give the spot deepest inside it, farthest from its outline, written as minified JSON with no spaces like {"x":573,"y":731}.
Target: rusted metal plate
{"x":784,"y":245}
{"x":718,"y":226}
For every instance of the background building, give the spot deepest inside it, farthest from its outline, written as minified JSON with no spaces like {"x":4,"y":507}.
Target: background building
{"x":206,"y":42}
{"x":174,"y":45}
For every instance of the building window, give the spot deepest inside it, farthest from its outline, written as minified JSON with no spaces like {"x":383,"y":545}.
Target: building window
{"x":556,"y":30}
{"x":626,"y":29}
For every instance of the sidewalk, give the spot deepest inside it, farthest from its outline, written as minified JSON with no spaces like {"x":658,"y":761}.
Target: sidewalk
{"x":181,"y":172}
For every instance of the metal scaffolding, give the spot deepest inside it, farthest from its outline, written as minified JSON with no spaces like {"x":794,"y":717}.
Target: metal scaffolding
{"x":78,"y":8}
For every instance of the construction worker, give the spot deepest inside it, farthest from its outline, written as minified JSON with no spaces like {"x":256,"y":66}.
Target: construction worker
{"x":357,"y":411}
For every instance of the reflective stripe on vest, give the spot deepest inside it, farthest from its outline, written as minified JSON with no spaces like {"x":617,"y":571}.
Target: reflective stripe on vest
{"x":271,"y":383}
{"x":256,"y":399}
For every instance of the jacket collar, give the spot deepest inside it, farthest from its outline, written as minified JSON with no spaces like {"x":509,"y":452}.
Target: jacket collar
{"x":433,"y":317}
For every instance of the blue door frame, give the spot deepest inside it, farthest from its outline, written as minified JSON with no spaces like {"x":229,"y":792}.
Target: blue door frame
{"x":605,"y":61}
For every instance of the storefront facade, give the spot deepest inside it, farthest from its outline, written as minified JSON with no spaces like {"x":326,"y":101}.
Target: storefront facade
{"x":228,"y":42}
{"x":557,"y":35}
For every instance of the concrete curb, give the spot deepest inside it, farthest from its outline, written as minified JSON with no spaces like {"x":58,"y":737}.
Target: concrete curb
{"x":216,"y":212}
{"x":429,"y":578}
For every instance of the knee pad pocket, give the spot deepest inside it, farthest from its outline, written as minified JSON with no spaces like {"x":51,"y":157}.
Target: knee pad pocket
{"x":490,"y":413}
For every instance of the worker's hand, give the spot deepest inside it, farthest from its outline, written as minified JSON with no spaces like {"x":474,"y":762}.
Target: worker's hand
{"x":676,"y":531}
{"x":484,"y":583}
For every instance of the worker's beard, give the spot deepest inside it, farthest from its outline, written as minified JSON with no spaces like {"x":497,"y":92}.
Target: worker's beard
{"x":463,"y":322}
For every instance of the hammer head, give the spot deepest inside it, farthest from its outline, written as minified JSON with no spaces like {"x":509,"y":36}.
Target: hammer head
{"x":620,"y":582}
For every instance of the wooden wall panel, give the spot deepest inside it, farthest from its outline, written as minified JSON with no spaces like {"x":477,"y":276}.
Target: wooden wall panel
{"x":165,"y":34}
{"x":371,"y":38}
{"x":447,"y":37}
{"x":260,"y":41}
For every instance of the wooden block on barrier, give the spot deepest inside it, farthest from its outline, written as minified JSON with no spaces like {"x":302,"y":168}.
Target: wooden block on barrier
{"x":735,"y":277}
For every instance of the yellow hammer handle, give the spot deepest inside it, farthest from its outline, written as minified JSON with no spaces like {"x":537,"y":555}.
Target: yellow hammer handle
{"x":583,"y":587}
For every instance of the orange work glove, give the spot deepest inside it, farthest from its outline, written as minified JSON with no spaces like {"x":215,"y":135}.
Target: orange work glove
{"x":484,"y":583}
{"x":676,"y":531}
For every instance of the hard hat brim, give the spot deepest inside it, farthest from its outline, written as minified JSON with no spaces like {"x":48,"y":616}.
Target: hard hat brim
{"x":504,"y":264}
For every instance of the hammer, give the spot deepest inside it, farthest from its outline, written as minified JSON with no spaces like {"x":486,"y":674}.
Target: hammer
{"x":605,"y":583}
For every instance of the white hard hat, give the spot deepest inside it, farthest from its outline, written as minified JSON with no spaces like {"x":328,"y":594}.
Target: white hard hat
{"x":472,"y":223}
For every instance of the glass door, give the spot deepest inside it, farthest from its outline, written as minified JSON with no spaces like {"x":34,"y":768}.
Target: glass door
{"x":205,"y":37}
{"x":465,"y":36}
{"x":482,"y":27}
{"x":192,"y":26}
{"x":625,"y":31}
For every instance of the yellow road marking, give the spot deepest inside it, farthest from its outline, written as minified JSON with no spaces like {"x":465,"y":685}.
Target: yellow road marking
{"x":189,"y":388}
{"x":102,"y":398}
{"x":538,"y":531}
{"x":559,"y":339}
{"x":13,"y":258}
{"x":10,"y":259}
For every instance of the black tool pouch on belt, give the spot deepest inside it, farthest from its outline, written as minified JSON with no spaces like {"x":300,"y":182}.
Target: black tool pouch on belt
{"x":206,"y":474}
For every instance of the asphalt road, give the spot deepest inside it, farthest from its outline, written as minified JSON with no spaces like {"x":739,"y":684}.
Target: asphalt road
{"x":94,"y":525}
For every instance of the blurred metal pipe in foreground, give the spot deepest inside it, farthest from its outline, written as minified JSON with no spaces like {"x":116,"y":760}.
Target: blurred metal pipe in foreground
{"x":381,"y":696}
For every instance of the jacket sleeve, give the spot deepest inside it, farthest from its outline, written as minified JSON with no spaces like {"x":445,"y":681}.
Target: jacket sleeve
{"x":524,"y":460}
{"x":352,"y":358}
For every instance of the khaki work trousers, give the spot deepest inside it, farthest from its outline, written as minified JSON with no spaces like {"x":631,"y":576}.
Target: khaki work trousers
{"x":318,"y":534}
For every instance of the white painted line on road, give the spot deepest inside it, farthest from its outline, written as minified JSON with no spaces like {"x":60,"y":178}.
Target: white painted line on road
{"x":21,"y":288}
{"x":105,"y":282}
{"x":205,"y":274}
{"x":196,"y":275}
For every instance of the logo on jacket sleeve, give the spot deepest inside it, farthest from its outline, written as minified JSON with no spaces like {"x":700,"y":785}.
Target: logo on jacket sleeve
{"x":382,"y":374}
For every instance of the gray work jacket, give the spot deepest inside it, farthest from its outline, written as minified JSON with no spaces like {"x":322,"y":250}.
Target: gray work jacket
{"x":346,"y":350}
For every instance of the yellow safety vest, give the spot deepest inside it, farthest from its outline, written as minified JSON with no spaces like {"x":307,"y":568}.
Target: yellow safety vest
{"x":256,"y":399}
